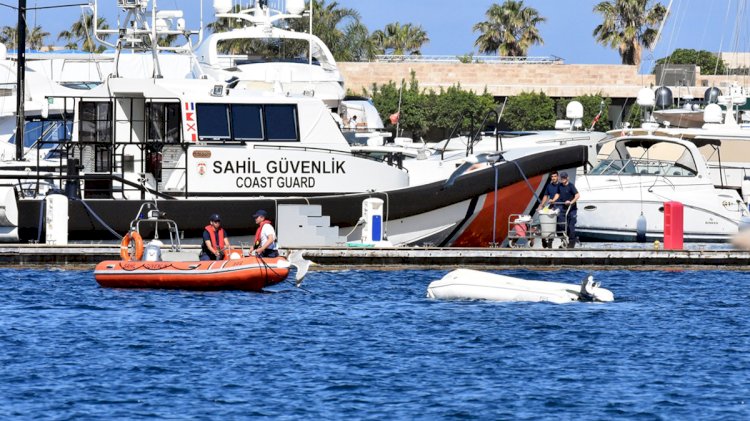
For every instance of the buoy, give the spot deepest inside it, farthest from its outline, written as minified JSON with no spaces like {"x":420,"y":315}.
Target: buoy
{"x":640,"y":229}
{"x":124,"y":246}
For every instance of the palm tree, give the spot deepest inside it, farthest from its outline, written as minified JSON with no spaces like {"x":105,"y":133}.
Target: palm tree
{"x":357,"y":44}
{"x":400,"y":39}
{"x":8,"y":36}
{"x":628,"y":26}
{"x":35,"y":38}
{"x":510,"y":29}
{"x":226,"y":25}
{"x":333,"y":25}
{"x":82,"y":32}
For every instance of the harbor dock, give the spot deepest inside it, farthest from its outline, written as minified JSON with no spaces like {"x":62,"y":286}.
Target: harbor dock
{"x":419,"y":257}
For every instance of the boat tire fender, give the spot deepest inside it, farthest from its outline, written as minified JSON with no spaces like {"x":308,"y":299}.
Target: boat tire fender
{"x":137,"y":243}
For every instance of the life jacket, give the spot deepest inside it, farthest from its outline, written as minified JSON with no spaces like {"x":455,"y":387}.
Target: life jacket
{"x":258,"y":231}
{"x":212,"y":235}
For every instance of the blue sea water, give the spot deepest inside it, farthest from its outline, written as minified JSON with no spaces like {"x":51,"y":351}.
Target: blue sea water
{"x":369,"y":345}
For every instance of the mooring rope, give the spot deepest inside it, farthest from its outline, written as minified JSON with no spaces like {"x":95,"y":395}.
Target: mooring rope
{"x":100,"y":220}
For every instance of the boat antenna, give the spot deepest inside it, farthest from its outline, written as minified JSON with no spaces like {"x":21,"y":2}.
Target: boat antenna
{"x":310,"y":44}
{"x":398,"y":111}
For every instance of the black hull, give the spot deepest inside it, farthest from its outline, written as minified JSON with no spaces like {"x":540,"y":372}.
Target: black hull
{"x":192,"y":215}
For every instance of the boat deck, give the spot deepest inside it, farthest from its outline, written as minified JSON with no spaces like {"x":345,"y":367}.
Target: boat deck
{"x":86,"y":256}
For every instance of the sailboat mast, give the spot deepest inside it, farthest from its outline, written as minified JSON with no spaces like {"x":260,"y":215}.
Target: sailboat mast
{"x":20,"y":78}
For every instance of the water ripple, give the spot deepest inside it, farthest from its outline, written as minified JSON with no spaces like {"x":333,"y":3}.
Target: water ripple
{"x":368,"y":345}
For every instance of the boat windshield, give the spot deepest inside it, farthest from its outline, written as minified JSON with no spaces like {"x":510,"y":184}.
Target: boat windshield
{"x":660,"y":159}
{"x":45,"y":134}
{"x":237,"y":52}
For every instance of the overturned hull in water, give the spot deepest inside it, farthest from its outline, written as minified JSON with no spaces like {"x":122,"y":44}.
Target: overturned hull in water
{"x":466,"y":284}
{"x":461,"y":214}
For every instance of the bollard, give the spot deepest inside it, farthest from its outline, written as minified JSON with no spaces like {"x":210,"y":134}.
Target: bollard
{"x":673,"y":226}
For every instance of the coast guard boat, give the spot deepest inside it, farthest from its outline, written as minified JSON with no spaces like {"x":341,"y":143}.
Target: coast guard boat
{"x":198,"y":144}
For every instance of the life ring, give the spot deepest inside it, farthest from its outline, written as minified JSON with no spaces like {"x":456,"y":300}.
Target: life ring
{"x":137,"y":243}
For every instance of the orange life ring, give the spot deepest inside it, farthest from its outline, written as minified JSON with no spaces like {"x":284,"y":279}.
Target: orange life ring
{"x":137,"y":243}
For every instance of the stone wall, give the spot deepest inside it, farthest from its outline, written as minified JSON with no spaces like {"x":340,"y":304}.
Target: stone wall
{"x":500,"y":80}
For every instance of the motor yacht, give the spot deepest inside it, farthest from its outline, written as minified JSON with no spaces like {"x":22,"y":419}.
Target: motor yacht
{"x":638,"y":176}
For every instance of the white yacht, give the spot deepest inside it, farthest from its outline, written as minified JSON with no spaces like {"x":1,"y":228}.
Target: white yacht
{"x":640,"y":174}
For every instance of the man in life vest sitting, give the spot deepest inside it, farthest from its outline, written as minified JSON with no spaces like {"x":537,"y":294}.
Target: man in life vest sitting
{"x":265,"y":236}
{"x":215,"y":240}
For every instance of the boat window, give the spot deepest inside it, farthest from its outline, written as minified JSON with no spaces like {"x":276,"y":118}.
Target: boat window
{"x":281,"y":123}
{"x":102,"y":158}
{"x":247,"y":122}
{"x":95,"y":122}
{"x":213,"y":121}
{"x":164,"y":119}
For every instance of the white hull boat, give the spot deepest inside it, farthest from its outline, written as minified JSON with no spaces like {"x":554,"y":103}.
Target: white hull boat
{"x":641,"y":174}
{"x":467,"y":284}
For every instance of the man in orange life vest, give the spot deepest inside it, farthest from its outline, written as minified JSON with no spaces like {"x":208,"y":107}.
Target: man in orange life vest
{"x":265,"y":236}
{"x":215,"y":240}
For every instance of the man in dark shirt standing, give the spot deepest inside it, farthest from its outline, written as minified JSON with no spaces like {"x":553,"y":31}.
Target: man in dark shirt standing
{"x":568,"y":195}
{"x":550,"y":192}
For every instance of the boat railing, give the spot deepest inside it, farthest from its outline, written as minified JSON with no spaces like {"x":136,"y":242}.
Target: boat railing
{"x":480,"y":132}
{"x":389,"y":58}
{"x":30,"y":185}
{"x":154,"y":220}
{"x":393,"y":159}
{"x":456,"y":128}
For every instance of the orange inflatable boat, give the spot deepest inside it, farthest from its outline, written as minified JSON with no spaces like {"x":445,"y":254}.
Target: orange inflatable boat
{"x":152,"y":267}
{"x":247,"y":274}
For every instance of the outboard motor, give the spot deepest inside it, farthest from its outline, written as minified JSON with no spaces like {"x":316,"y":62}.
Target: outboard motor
{"x":153,"y":251}
{"x":711,"y":96}
{"x":664,"y":98}
{"x":587,"y":289}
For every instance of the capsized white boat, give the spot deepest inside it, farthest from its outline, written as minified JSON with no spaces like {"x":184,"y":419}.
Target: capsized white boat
{"x":467,"y":284}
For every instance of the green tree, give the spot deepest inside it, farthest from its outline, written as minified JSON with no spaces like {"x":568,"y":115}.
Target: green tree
{"x":81,"y":32}
{"x":709,"y":62}
{"x":357,"y":44}
{"x":628,"y":25}
{"x":338,"y":27}
{"x":529,"y":111}
{"x":455,"y":103}
{"x":510,"y":29}
{"x":225,"y":25}
{"x":399,"y":40}
{"x":426,"y":111}
{"x":35,"y":38}
{"x":415,"y":114}
{"x":8,"y":36}
{"x":592,"y":104}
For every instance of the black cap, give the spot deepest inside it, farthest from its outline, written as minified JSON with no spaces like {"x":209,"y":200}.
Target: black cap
{"x":260,"y":212}
{"x":563,"y":175}
{"x":215,"y":217}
